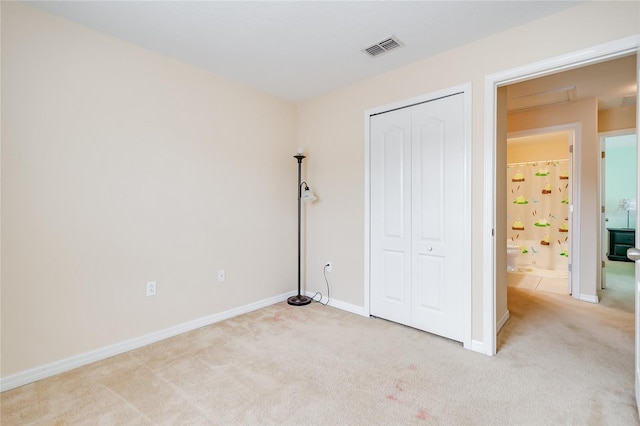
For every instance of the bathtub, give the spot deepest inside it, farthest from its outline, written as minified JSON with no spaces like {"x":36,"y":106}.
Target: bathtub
{"x":553,"y":257}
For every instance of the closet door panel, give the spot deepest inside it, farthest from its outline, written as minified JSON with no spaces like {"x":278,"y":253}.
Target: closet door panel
{"x":437,"y":199}
{"x":390,"y":290}
{"x":417,"y":175}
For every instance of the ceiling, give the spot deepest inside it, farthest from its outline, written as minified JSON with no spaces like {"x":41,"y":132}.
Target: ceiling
{"x":613,"y":83}
{"x":298,"y":50}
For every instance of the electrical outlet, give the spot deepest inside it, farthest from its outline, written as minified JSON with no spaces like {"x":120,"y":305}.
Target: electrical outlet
{"x":328,"y":266}
{"x":220,"y":275}
{"x":151,"y":288}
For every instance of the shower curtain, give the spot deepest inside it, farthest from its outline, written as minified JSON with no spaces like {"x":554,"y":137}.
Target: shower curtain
{"x":537,"y":212}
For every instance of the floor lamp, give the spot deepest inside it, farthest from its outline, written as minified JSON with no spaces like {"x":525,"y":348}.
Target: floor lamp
{"x":299,"y":299}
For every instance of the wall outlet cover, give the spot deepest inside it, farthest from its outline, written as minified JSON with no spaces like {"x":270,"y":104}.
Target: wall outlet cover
{"x":151,"y":288}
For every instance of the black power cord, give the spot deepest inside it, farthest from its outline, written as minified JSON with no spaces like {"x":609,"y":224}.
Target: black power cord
{"x":324,"y":272}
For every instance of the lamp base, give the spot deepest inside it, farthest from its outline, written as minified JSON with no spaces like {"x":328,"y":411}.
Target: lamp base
{"x":299,"y":300}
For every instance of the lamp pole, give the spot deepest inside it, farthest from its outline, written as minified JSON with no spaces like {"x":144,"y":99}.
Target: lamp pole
{"x":299,"y":299}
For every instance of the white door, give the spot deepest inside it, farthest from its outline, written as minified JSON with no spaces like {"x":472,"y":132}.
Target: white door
{"x":391,"y":215}
{"x":417,"y":216}
{"x":637,"y":289}
{"x":636,"y":258}
{"x":634,"y":254}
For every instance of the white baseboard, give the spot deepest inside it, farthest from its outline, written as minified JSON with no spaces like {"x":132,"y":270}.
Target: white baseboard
{"x":42,"y":372}
{"x":477,"y":346}
{"x":589,"y":298}
{"x":354,"y":309}
{"x":502,"y":321}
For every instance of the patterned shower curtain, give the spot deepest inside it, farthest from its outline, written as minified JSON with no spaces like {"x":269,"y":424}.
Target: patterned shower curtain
{"x":537,"y":212}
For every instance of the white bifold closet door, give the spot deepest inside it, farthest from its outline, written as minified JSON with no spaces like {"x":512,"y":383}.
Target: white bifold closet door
{"x":417,"y":189}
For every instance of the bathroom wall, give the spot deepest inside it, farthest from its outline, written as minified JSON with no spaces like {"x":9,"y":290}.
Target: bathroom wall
{"x":549,"y":146}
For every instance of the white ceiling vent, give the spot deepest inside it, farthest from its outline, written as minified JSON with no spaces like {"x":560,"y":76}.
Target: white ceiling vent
{"x":383,"y":46}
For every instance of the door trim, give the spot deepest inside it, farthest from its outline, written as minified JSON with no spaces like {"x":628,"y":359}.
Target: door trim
{"x":637,"y":266}
{"x":465,"y":250}
{"x":553,"y":65}
{"x":603,"y":216}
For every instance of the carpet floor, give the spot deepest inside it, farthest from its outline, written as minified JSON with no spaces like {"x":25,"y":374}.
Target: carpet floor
{"x":560,"y":362}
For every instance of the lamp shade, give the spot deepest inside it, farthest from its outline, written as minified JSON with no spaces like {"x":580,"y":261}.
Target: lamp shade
{"x":627,"y":204}
{"x":308,"y":196}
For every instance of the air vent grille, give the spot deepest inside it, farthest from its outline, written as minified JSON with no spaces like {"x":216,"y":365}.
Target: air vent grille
{"x":375,"y":50}
{"x":389,"y":44}
{"x":383,"y":46}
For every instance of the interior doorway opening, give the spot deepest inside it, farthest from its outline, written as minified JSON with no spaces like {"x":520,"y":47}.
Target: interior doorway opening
{"x":538,"y":222}
{"x":496,"y":129}
{"x":618,"y":188}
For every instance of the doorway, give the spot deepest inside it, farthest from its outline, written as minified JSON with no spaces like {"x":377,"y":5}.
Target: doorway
{"x":539,"y":195}
{"x":493,"y":99}
{"x":618,"y":186}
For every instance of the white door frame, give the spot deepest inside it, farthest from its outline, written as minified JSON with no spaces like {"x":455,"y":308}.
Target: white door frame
{"x":637,"y":266}
{"x":575,"y":132}
{"x":465,"y":250}
{"x":603,"y":214}
{"x":554,"y":65}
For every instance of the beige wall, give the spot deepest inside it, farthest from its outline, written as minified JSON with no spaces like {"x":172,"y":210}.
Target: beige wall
{"x":616,"y":119}
{"x":121,"y":166}
{"x":332,"y":127}
{"x":554,"y":146}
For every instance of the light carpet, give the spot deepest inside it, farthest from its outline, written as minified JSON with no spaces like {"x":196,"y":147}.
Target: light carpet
{"x":560,"y":362}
